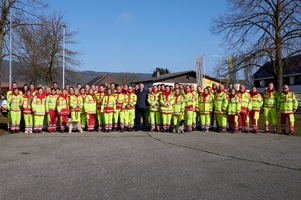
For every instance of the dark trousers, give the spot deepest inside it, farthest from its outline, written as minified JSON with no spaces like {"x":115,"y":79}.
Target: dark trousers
{"x":141,"y":111}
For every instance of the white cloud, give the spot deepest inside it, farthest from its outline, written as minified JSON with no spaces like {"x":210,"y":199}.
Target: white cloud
{"x":125,"y":16}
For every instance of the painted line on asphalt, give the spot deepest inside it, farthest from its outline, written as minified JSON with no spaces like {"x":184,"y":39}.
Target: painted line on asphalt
{"x":222,"y":155}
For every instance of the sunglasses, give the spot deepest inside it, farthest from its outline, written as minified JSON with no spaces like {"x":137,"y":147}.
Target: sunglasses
{"x":284,"y":88}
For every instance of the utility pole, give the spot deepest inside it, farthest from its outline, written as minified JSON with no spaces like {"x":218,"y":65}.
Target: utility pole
{"x":64,"y":30}
{"x":10,"y":48}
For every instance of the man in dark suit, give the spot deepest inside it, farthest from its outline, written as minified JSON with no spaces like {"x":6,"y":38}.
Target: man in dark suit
{"x":141,"y":106}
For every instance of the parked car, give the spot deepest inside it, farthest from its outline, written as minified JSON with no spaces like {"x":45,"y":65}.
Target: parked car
{"x":3,"y":104}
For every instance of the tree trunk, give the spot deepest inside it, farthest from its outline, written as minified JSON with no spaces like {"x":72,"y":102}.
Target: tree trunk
{"x":278,"y":43}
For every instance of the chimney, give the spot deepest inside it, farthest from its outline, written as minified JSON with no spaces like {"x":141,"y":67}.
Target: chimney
{"x":158,"y":73}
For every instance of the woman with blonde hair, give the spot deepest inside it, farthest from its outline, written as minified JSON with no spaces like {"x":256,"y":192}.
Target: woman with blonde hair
{"x":27,"y":112}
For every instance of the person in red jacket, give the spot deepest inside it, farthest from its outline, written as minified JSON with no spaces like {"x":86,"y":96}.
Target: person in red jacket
{"x":63,"y":109}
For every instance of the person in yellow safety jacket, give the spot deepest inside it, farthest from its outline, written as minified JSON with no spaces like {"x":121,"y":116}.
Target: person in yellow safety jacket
{"x":153,"y":100}
{"x":189,"y":107}
{"x":246,"y":107}
{"x":178,"y":107}
{"x":58,"y":124}
{"x":14,"y":106}
{"x":198,"y":117}
{"x":287,"y":104}
{"x":213,"y":92}
{"x":147,"y":113}
{"x":166,"y":103}
{"x":9,"y":93}
{"x":196,"y":98}
{"x":82,"y":111}
{"x":39,"y":110}
{"x":205,"y":109}
{"x":27,"y":111}
{"x":98,"y":97}
{"x":119,"y":114}
{"x":221,"y":105}
{"x":51,"y":106}
{"x":90,"y":109}
{"x":130,"y":101}
{"x":270,"y":97}
{"x":108,"y":108}
{"x":234,"y":107}
{"x":76,"y":104}
{"x":257,"y":103}
{"x":63,"y":109}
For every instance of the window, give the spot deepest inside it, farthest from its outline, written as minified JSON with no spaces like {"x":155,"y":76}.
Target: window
{"x":257,"y":83}
{"x":286,"y":80}
{"x":187,"y":77}
{"x":298,"y":80}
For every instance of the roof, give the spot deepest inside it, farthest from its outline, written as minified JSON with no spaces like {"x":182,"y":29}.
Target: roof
{"x":107,"y":78}
{"x":6,"y":85}
{"x":292,"y":66}
{"x":171,"y":75}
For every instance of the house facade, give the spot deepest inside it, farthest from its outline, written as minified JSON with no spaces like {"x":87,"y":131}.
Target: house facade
{"x":185,"y":77}
{"x":291,"y":75}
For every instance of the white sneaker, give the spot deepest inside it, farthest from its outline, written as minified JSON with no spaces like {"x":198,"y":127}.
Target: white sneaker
{"x":30,"y":131}
{"x":26,"y":132}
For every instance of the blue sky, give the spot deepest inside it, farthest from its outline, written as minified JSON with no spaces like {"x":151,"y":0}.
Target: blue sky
{"x":138,"y":36}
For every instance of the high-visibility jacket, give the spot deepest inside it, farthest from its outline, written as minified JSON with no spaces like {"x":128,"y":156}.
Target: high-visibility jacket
{"x":154,"y":99}
{"x":26,"y":105}
{"x":234,"y":105}
{"x":63,"y":105}
{"x":119,"y":97}
{"x":221,"y":102}
{"x":98,"y":97}
{"x":76,"y":103}
{"x":179,"y":105}
{"x":189,"y":101}
{"x":82,"y":111}
{"x":11,"y":92}
{"x":14,"y":103}
{"x":213,"y":92}
{"x":287,"y":102}
{"x":34,"y":92}
{"x":90,"y":104}
{"x":38,"y":105}
{"x":246,"y":101}
{"x":196,"y":98}
{"x":270,"y":98}
{"x":166,"y":103}
{"x":130,"y":99}
{"x":182,"y":92}
{"x":205,"y":104}
{"x":51,"y":102}
{"x":108,"y":104}
{"x":257,"y":101}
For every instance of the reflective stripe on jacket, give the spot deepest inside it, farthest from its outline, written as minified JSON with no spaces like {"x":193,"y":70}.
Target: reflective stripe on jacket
{"x":287,"y":103}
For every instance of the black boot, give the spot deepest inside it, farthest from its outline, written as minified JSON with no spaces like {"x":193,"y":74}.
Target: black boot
{"x":121,"y":130}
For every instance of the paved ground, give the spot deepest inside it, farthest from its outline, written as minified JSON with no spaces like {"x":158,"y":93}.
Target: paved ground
{"x":141,"y":165}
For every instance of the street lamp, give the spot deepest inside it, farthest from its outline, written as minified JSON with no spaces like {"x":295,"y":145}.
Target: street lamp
{"x":64,"y":30}
{"x":220,"y":66}
{"x":10,"y":48}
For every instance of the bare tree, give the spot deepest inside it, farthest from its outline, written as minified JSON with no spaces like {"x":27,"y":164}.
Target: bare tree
{"x":25,"y":13}
{"x":258,"y":31}
{"x":40,"y":51}
{"x":127,"y":77}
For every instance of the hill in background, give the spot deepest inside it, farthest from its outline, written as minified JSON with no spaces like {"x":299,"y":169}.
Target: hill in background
{"x":87,"y":76}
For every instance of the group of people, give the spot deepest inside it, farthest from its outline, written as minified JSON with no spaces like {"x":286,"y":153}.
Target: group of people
{"x":106,"y":108}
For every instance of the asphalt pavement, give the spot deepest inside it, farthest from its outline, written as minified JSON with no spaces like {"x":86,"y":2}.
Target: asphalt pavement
{"x":141,"y":165}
